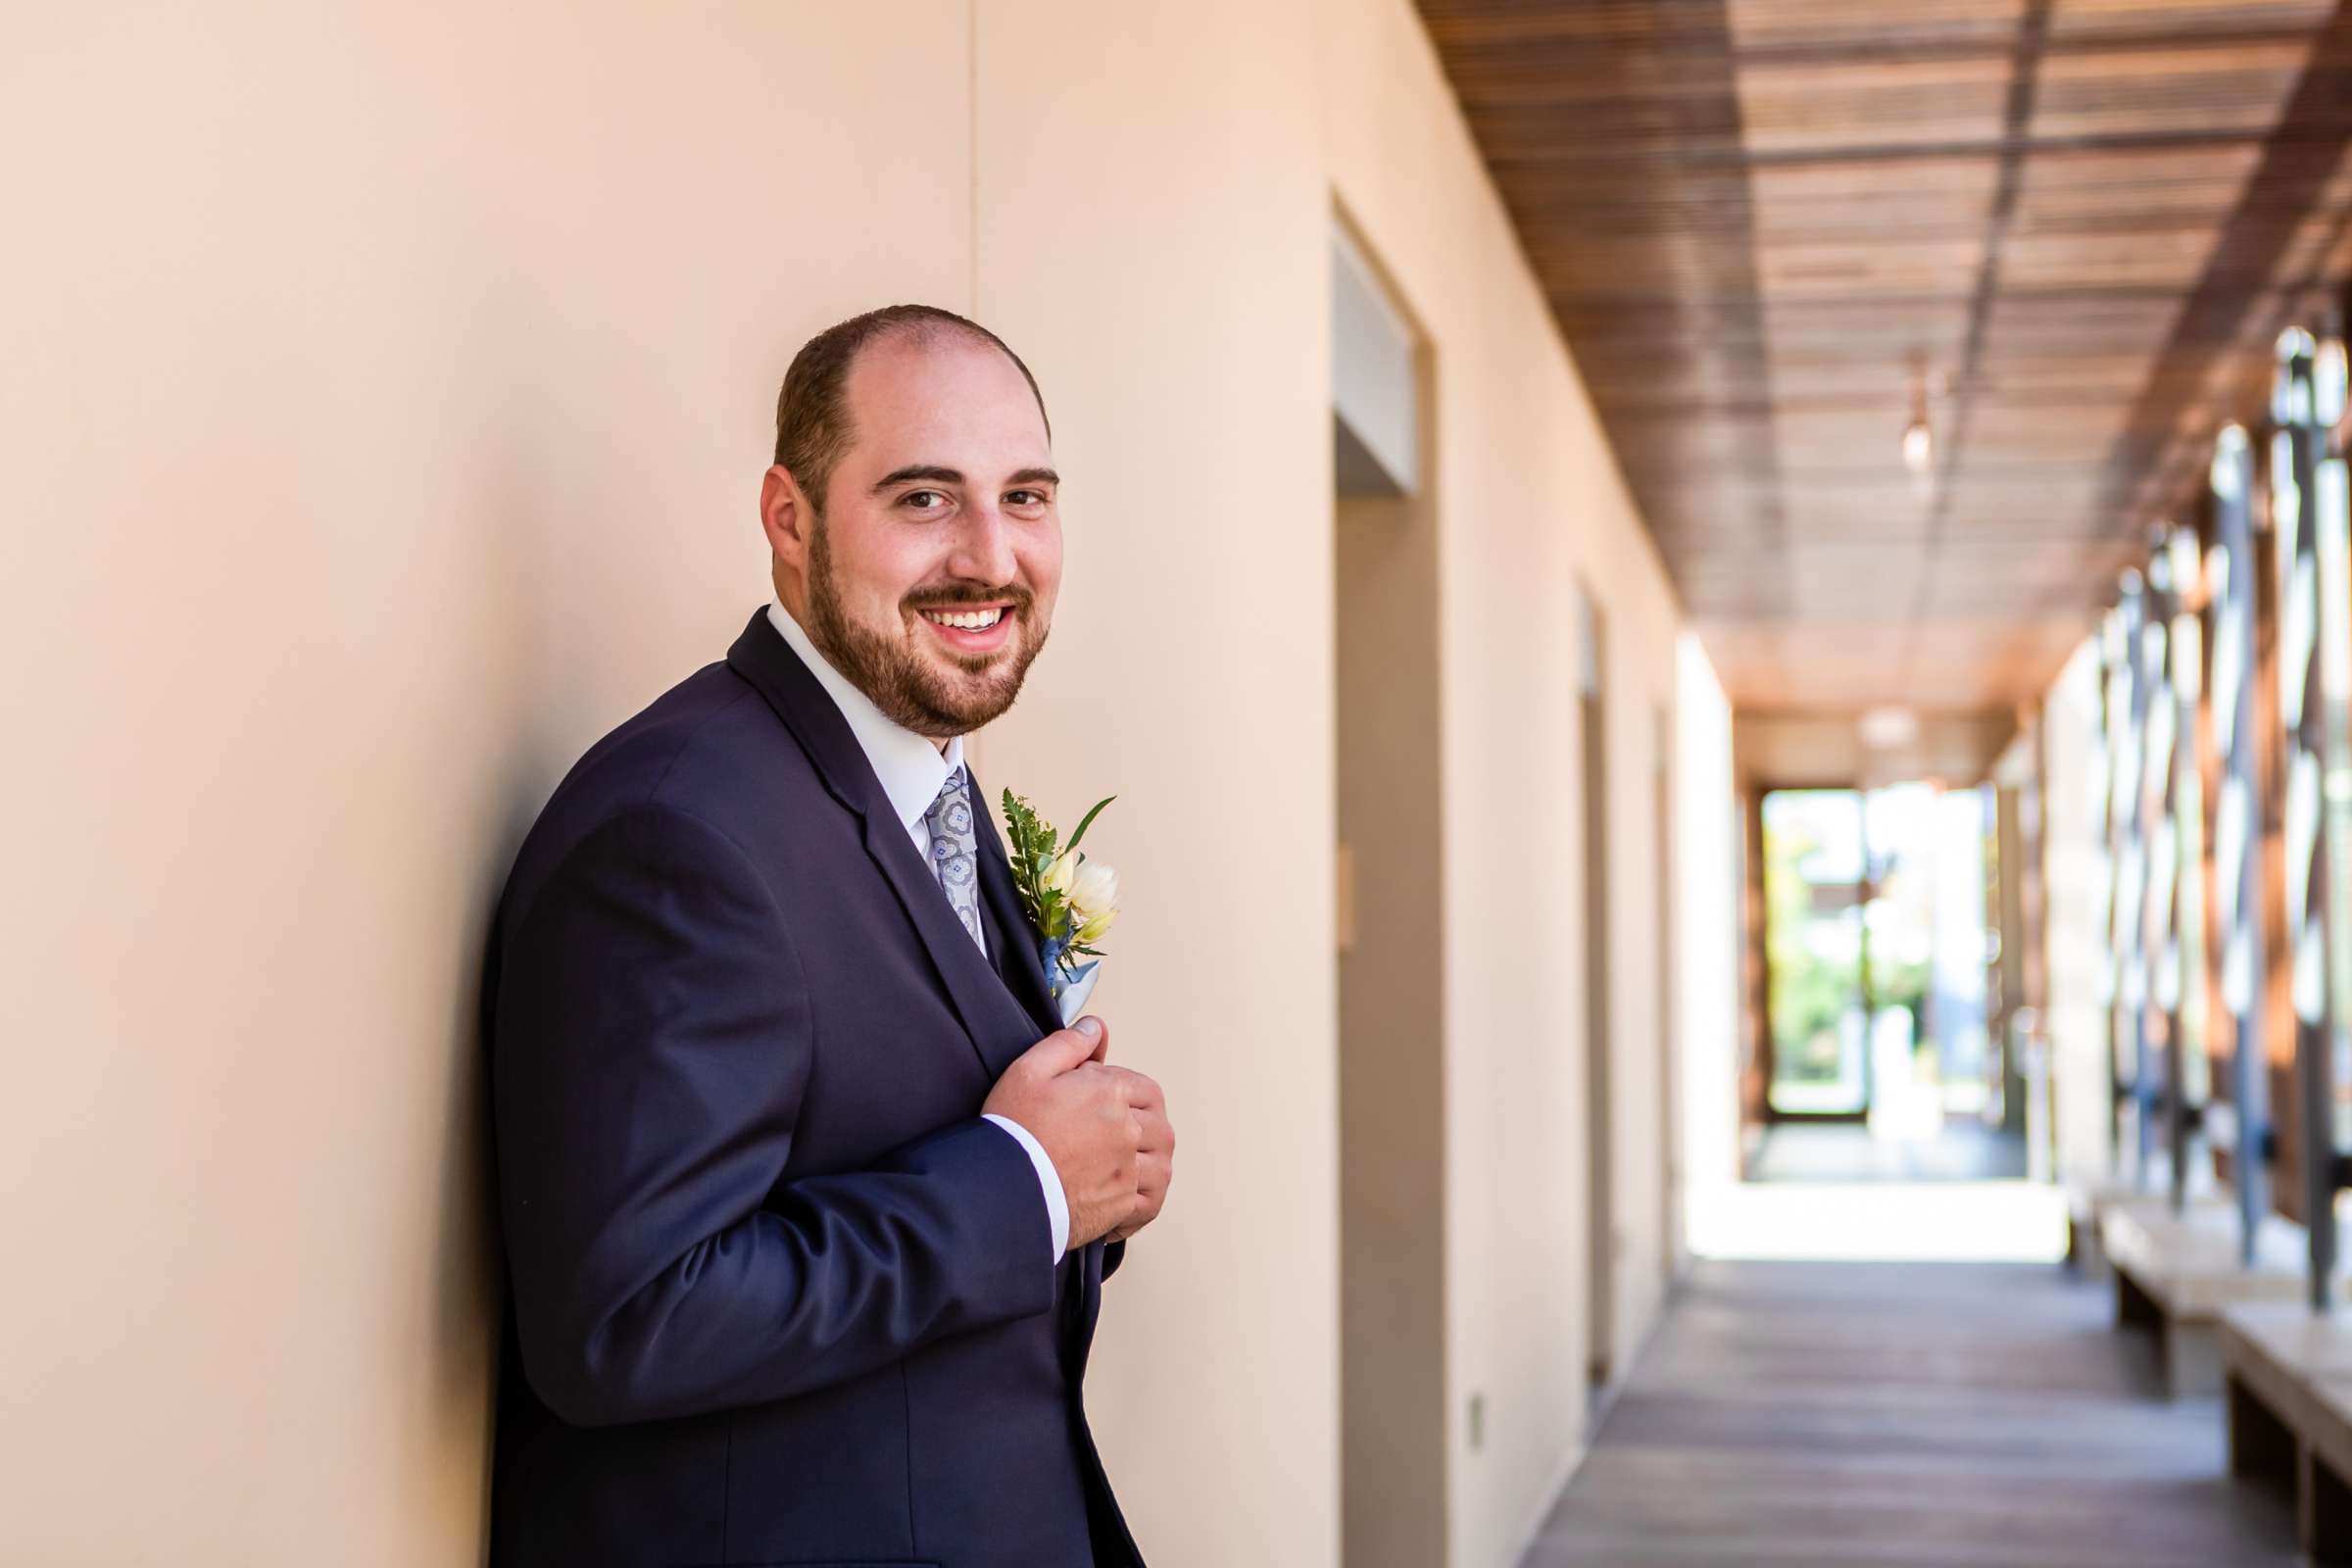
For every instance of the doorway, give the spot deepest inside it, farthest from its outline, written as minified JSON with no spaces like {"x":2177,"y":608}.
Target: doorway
{"x":1592,"y":732}
{"x":1670,"y":1058}
{"x":1877,"y":941}
{"x":1393,"y":1390}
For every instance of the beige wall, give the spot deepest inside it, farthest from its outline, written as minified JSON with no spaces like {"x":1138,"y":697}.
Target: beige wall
{"x":1797,"y":750}
{"x":1529,"y":503}
{"x":384,"y":401}
{"x":2075,"y":874}
{"x":1710,"y":883}
{"x":383,"y":390}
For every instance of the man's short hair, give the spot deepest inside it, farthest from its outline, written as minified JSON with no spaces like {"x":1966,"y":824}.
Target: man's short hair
{"x":812,"y":415}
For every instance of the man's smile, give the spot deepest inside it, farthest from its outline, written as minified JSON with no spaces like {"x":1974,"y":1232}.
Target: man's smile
{"x":967,"y":619}
{"x":969,"y":629}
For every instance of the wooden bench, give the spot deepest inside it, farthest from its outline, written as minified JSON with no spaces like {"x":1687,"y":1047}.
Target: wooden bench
{"x":2289,"y":1387}
{"x":2177,"y":1273}
{"x":2088,"y":1197}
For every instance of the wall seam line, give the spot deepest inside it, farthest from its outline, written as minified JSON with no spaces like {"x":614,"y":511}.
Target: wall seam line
{"x":971,"y":146}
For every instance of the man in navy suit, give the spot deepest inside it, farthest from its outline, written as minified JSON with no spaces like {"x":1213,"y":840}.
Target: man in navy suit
{"x":807,"y":1196}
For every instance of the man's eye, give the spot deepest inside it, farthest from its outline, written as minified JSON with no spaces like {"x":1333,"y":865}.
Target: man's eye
{"x":924,"y":499}
{"x":1025,"y":497}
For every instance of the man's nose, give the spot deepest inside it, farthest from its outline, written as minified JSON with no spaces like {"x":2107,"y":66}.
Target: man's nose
{"x":983,"y":546}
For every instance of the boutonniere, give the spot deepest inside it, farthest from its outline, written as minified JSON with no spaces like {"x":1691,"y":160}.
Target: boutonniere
{"x":1070,"y":898}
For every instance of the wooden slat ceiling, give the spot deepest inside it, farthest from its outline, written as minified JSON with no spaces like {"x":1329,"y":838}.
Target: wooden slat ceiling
{"x":1763,"y":224}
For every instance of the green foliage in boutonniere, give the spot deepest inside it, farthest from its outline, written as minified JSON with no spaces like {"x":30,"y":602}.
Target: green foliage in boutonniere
{"x":1071,"y":898}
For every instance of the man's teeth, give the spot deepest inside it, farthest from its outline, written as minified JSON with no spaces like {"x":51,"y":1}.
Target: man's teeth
{"x":967,"y":619}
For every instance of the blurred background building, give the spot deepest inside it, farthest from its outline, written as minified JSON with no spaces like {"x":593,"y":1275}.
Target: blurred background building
{"x":1723,"y":629}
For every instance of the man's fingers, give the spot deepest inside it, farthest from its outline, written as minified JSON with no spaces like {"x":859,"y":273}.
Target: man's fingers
{"x":1151,"y":1193}
{"x":1142,"y":1093}
{"x":1066,"y":1049}
{"x":1154,"y":1135}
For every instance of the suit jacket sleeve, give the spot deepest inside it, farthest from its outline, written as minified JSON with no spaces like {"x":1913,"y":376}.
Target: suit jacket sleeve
{"x":652,"y":1044}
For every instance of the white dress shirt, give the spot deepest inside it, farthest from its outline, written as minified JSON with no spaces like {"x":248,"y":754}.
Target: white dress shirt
{"x":912,"y":769}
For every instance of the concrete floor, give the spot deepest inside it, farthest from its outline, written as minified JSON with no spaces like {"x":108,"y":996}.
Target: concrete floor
{"x":1905,"y":1415}
{"x":1962,"y":1150}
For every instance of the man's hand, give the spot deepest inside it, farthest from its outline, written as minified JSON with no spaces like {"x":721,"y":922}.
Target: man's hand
{"x":1105,"y":1128}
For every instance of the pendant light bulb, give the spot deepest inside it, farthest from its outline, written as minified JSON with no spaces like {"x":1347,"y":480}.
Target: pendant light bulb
{"x":1919,"y":449}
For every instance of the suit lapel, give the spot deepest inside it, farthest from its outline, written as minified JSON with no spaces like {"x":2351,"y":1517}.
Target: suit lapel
{"x":993,"y":1020}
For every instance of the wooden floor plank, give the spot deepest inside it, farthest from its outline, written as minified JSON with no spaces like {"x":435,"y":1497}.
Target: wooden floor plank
{"x":1905,"y":1416}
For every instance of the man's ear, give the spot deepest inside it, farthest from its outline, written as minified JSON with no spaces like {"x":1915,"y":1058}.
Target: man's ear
{"x":785,"y":516}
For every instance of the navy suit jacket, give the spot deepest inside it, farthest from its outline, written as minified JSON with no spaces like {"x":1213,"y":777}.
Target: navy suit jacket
{"x":777,"y":1293}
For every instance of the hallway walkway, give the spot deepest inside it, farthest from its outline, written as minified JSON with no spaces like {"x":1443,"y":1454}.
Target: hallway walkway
{"x":1963,"y":1150}
{"x":1914,"y":1415}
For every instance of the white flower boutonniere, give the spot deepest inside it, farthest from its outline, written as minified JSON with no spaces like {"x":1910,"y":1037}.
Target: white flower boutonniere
{"x":1069,"y":897}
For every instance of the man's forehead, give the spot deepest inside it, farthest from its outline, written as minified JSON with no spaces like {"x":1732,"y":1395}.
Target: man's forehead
{"x":905,"y":394}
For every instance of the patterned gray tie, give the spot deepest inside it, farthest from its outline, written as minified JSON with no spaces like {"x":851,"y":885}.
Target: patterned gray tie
{"x":956,"y":852}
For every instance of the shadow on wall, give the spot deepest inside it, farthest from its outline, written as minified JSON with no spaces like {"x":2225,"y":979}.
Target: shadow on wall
{"x":585,"y":600}
{"x":469,"y":1292}
{"x":518,"y":584}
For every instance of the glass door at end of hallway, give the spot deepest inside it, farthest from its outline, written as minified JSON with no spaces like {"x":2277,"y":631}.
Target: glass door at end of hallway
{"x":1876,"y":935}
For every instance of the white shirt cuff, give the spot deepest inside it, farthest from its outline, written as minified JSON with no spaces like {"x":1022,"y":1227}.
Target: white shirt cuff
{"x":1058,"y":1206}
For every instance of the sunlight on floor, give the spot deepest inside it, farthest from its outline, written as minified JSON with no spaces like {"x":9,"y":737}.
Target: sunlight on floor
{"x":1971,"y":1222}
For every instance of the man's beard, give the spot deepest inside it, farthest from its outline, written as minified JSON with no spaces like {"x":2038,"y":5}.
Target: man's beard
{"x":901,"y":683}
